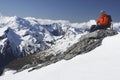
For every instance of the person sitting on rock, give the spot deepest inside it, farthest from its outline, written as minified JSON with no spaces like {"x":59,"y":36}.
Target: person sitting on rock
{"x":103,"y":22}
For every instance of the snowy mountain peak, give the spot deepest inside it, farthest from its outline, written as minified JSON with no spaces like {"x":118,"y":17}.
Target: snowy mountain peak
{"x":30,"y":35}
{"x":24,"y":36}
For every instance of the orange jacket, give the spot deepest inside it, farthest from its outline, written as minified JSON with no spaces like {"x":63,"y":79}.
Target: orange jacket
{"x":102,"y":20}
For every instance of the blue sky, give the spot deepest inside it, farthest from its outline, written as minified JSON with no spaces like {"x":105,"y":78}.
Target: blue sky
{"x":72,"y":10}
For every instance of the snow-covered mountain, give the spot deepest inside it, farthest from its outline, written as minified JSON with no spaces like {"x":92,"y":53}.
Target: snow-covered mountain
{"x":100,"y":64}
{"x":23,"y":36}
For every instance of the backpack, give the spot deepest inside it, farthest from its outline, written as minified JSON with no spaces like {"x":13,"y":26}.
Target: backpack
{"x":109,"y":21}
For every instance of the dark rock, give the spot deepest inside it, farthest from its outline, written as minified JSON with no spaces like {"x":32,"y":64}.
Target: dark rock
{"x":1,"y":71}
{"x":88,"y":42}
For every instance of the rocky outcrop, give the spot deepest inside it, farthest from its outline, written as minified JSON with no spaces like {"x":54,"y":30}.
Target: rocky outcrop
{"x":85,"y":44}
{"x":88,"y":42}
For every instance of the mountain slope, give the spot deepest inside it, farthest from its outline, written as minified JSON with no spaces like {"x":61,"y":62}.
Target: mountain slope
{"x":85,"y":44}
{"x":26,"y":36}
{"x":101,"y":64}
{"x":20,"y":37}
{"x":23,"y":36}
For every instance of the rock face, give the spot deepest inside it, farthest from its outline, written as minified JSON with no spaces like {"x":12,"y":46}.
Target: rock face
{"x":88,"y":42}
{"x":85,"y":44}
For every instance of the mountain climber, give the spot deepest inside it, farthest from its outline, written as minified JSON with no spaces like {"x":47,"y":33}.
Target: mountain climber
{"x":103,"y":22}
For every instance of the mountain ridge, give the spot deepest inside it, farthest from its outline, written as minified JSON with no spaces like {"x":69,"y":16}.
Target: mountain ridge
{"x":21,"y":37}
{"x":85,"y":44}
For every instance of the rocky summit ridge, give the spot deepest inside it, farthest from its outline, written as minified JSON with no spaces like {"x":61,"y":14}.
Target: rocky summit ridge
{"x":85,"y":44}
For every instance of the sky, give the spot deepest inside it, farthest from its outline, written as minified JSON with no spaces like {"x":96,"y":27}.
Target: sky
{"x":72,"y":10}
